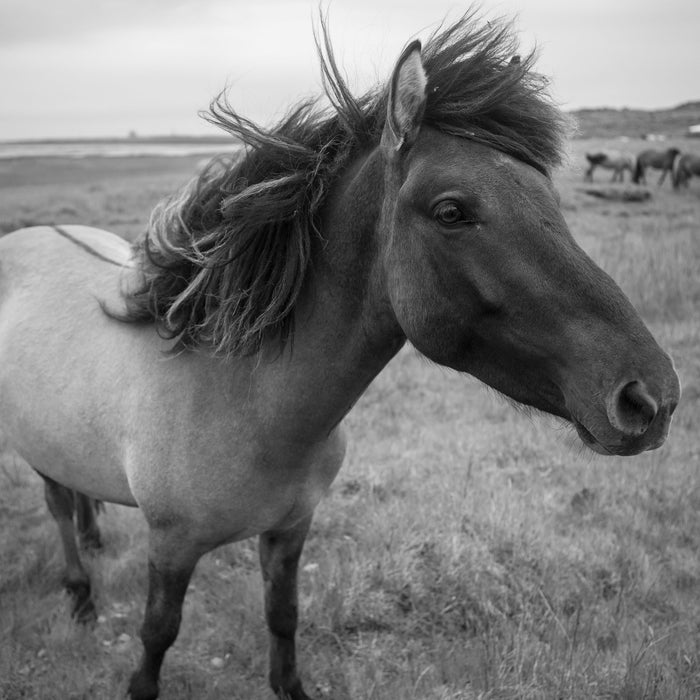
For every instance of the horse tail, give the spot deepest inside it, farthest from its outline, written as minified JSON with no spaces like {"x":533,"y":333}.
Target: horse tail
{"x":638,"y":171}
{"x":676,"y":167}
{"x":86,"y":511}
{"x":681,"y":172}
{"x":676,"y":174}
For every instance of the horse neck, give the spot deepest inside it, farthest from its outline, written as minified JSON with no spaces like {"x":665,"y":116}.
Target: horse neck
{"x":345,"y":331}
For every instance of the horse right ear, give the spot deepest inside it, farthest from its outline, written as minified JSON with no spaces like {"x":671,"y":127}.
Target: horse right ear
{"x":406,"y":102}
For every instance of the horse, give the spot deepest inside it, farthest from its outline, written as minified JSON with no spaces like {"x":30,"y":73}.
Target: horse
{"x":617,"y":163}
{"x":687,"y":165}
{"x":203,"y":373}
{"x":660,"y":160}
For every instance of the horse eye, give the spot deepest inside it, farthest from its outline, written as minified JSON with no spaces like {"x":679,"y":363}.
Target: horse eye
{"x":449,"y":214}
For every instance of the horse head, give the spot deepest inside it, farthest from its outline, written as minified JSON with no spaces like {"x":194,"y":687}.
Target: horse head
{"x":484,"y":276}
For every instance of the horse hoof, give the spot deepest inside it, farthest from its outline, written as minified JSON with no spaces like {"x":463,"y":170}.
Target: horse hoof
{"x":84,"y":612}
{"x":141,"y":688}
{"x":296,"y":692}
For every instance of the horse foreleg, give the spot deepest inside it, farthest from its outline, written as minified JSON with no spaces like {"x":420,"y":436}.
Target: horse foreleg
{"x":279,"y":559}
{"x":170,"y":566}
{"x":61,"y":503}
{"x":663,"y":176}
{"x":86,"y":515}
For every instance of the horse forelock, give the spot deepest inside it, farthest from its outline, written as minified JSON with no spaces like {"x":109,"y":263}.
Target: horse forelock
{"x":476,"y":91}
{"x":225,"y":259}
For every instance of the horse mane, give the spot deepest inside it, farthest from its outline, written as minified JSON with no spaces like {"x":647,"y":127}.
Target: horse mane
{"x":223,"y":261}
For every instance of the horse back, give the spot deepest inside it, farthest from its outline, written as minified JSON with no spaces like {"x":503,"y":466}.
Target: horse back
{"x":67,"y":259}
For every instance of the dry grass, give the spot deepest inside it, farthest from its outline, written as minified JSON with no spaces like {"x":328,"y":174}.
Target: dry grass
{"x":465,"y":551}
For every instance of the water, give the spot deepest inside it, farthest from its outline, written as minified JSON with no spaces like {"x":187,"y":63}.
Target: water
{"x":111,"y":149}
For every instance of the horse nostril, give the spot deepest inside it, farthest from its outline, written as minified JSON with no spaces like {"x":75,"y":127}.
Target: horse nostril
{"x":632,"y":409}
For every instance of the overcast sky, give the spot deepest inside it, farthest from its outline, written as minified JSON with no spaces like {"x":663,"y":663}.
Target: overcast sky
{"x":72,"y":68}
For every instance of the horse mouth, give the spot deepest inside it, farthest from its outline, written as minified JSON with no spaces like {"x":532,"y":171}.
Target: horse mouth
{"x":589,"y":440}
{"x":620,"y":449}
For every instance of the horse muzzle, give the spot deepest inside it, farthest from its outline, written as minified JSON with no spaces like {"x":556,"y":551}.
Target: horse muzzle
{"x":635,"y":416}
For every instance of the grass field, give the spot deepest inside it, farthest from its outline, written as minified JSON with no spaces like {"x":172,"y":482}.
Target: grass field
{"x":466,"y":550}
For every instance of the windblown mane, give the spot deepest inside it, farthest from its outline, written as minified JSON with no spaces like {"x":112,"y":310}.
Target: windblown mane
{"x":224,"y":260}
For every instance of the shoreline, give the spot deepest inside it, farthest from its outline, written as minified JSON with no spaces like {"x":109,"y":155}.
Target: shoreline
{"x":32,"y":171}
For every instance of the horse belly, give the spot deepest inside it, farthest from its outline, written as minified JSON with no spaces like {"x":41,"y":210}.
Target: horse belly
{"x":75,"y":463}
{"x":58,"y":430}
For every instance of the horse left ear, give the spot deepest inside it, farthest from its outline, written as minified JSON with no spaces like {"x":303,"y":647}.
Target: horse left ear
{"x":406,"y":100}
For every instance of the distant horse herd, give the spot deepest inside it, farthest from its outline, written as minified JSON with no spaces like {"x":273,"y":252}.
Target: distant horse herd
{"x":679,"y":166}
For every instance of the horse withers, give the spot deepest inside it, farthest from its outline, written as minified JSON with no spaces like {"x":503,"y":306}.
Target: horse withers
{"x":203,"y":375}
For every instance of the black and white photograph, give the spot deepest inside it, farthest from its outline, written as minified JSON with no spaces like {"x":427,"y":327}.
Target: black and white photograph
{"x":349,"y":350}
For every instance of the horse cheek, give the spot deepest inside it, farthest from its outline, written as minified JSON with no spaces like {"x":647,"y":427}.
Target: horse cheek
{"x":430,"y":304}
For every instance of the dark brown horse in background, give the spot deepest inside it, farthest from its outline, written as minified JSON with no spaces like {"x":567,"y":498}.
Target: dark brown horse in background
{"x":203,"y":375}
{"x":608,"y":161}
{"x":686,"y":166}
{"x":659,"y":160}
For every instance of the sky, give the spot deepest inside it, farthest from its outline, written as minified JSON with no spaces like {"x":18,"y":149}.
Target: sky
{"x":93,"y":68}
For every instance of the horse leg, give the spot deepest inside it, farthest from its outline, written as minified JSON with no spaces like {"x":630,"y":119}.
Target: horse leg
{"x":86,"y":516}
{"x":61,"y":503}
{"x":170,"y":566}
{"x":279,"y":560}
{"x":663,"y":177}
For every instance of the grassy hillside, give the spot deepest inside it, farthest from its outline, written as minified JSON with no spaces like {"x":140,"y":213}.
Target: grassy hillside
{"x":466,"y":550}
{"x":636,"y":123}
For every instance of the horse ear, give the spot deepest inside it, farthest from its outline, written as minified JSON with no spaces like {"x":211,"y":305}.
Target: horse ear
{"x":406,"y":100}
